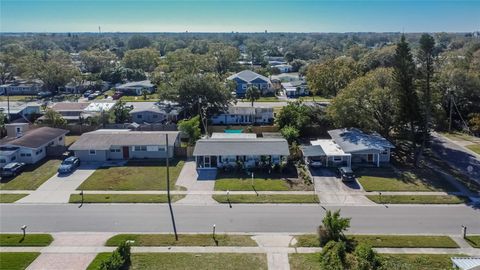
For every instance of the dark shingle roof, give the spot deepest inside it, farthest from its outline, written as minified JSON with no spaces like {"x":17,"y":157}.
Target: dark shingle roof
{"x":241,"y":147}
{"x":37,"y":137}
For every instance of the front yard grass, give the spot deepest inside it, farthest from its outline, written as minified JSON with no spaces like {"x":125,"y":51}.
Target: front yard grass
{"x":123,"y":198}
{"x":17,"y":260}
{"x":135,"y":175}
{"x":473,"y":240}
{"x":418,"y":199}
{"x":311,"y":261}
{"x":33,"y":176}
{"x":386,"y":241}
{"x":263,"y":181}
{"x":10,"y":198}
{"x":474,"y":147}
{"x":202,"y":240}
{"x":30,"y":240}
{"x":267,"y":198}
{"x":460,"y":136}
{"x":390,"y":179}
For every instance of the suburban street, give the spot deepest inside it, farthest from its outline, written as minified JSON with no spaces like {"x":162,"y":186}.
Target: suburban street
{"x":412,"y":219}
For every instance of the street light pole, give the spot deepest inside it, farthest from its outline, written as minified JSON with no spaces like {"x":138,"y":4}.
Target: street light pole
{"x":168,"y":188}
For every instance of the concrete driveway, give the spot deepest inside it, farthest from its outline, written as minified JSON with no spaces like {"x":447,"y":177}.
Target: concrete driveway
{"x":58,"y":188}
{"x":333,"y":191}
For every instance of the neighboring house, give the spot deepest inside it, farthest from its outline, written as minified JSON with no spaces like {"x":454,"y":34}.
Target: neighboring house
{"x":297,"y":88}
{"x":347,"y":147}
{"x":136,"y":88}
{"x":80,"y":87}
{"x":154,"y":112}
{"x":466,"y":263}
{"x":123,"y":144}
{"x":29,"y":145}
{"x":20,"y":109}
{"x":247,"y":78}
{"x":244,"y":115}
{"x":283,"y":68}
{"x":21,"y":87}
{"x":228,"y":150}
{"x":70,"y":111}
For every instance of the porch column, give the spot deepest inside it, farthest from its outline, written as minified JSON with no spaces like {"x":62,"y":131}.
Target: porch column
{"x":378,"y":160}
{"x":349,"y":161}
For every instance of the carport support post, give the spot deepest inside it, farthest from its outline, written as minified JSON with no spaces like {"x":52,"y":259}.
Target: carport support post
{"x":168,"y":189}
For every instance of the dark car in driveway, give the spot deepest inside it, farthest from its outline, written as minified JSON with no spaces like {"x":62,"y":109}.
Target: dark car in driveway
{"x":346,"y":174}
{"x":69,"y":165}
{"x":12,"y":169}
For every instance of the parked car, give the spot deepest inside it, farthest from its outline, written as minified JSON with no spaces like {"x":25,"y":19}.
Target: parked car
{"x":44,"y":94}
{"x":346,"y":174}
{"x":92,"y":96}
{"x":12,"y":169}
{"x":117,"y":95}
{"x":69,"y":165}
{"x":87,"y":93}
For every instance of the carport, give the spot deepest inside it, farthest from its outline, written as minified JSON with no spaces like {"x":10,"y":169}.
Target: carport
{"x":334,"y":155}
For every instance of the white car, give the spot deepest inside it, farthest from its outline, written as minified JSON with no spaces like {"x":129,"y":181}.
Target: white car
{"x":315,"y":163}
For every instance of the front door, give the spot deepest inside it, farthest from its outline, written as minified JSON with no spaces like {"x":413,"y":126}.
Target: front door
{"x":370,"y":157}
{"x":126,"y":152}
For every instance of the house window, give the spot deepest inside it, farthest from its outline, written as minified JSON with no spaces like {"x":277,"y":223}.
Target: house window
{"x":51,"y":143}
{"x":3,"y":161}
{"x":60,"y":139}
{"x":115,"y":150}
{"x":337,"y":158}
{"x":13,"y":158}
{"x":154,"y":116}
{"x":161,"y":149}
{"x":140,"y":148}
{"x":39,"y":152}
{"x":139,"y":116}
{"x":18,"y":130}
{"x":152,"y":148}
{"x":92,"y":152}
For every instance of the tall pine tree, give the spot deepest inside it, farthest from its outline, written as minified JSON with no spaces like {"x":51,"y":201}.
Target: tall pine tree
{"x":426,"y":61}
{"x":408,"y":104}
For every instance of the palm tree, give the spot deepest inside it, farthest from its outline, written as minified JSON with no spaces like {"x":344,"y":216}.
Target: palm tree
{"x":252,"y":94}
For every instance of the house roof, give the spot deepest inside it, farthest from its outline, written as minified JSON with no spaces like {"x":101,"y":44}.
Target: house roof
{"x":70,"y":106}
{"x":247,"y":76}
{"x":163,"y":108}
{"x":99,"y":106}
{"x":329,"y":147}
{"x":35,"y":138}
{"x":241,"y":147}
{"x":220,"y":135}
{"x":312,"y":151}
{"x":139,"y":84}
{"x":466,"y":263}
{"x":354,"y":140}
{"x":103,"y":139}
{"x":16,"y":106}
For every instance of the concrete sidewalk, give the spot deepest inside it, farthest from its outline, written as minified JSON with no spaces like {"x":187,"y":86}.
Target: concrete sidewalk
{"x":58,"y":188}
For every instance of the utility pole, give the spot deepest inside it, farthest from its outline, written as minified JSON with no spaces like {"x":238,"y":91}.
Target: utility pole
{"x":450,"y":114}
{"x":168,"y":189}
{"x":8,"y":104}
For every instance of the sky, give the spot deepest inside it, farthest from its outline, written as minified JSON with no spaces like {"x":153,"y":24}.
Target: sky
{"x":239,"y":15}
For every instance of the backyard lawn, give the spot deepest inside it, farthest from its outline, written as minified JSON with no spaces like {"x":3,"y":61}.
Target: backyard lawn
{"x":123,"y":198}
{"x":191,"y":261}
{"x":135,"y":175}
{"x":201,"y":240}
{"x":473,"y":240}
{"x":16,"y":260}
{"x":386,"y":241}
{"x":69,"y":140}
{"x":30,"y":240}
{"x":390,"y":179}
{"x":267,"y":198}
{"x":33,"y":176}
{"x":10,"y":198}
{"x":418,"y":199}
{"x":305,"y":261}
{"x":263,"y":181}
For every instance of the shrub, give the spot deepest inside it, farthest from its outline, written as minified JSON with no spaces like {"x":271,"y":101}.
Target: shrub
{"x":333,"y":256}
{"x":114,"y":262}
{"x":366,"y":258}
{"x":124,"y":250}
{"x":333,"y":227}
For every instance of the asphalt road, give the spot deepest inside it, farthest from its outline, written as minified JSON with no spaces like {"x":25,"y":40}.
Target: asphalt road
{"x":240,"y":218}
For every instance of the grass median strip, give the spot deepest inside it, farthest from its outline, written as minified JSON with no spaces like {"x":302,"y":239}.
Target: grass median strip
{"x":267,"y":198}
{"x":386,"y":241}
{"x":191,"y":261}
{"x":10,"y":198}
{"x":30,"y":240}
{"x":183,"y":240}
{"x":123,"y":198}
{"x":16,"y":260}
{"x":473,"y":240}
{"x":418,"y":199}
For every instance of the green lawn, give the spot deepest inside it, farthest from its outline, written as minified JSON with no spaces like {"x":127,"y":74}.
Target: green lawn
{"x":69,"y":140}
{"x":265,"y":99}
{"x":31,"y":240}
{"x":191,"y":261}
{"x":18,"y":98}
{"x":136,"y":175}
{"x":33,"y":176}
{"x":311,"y":261}
{"x":153,"y":97}
{"x":10,"y":198}
{"x":97,"y":261}
{"x":460,"y":136}
{"x":417,"y":199}
{"x":473,"y":240}
{"x":474,"y":147}
{"x":123,"y":198}
{"x":263,"y":181}
{"x":183,"y":240}
{"x":386,"y":241}
{"x":16,"y":260}
{"x":386,"y":179}
{"x":314,"y":98}
{"x":263,"y":198}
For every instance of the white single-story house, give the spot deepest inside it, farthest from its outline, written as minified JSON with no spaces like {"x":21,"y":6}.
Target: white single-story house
{"x":124,"y":144}
{"x":29,"y":145}
{"x":466,"y":263}
{"x":347,"y":147}
{"x":283,"y":68}
{"x":230,"y":149}
{"x":21,"y":87}
{"x":296,"y":88}
{"x":136,"y":88}
{"x":17,"y":109}
{"x":241,"y":115}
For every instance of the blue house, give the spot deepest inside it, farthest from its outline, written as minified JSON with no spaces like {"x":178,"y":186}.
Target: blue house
{"x":247,"y":78}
